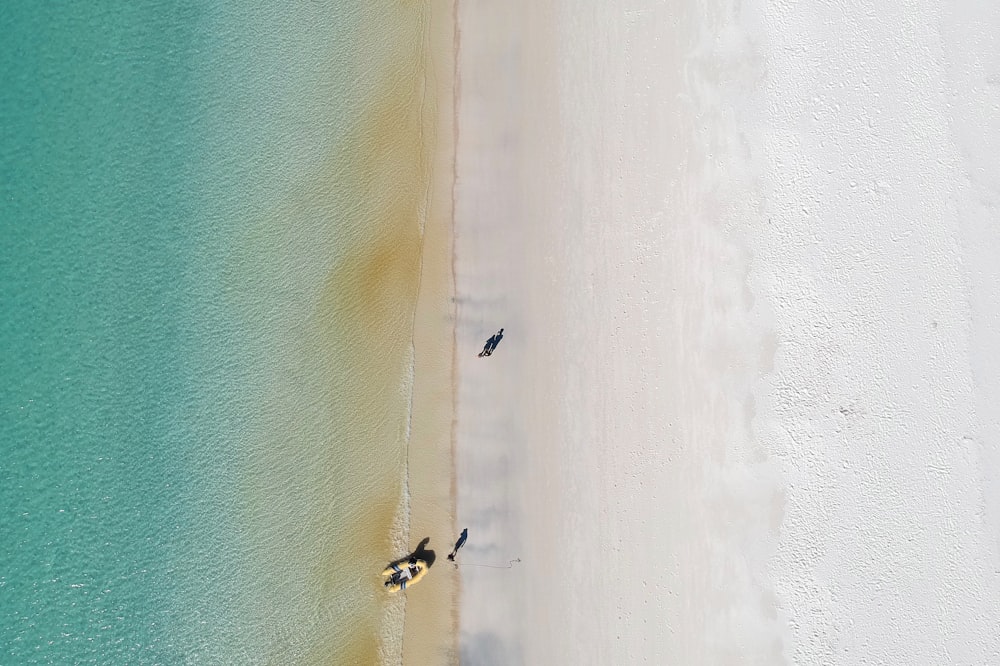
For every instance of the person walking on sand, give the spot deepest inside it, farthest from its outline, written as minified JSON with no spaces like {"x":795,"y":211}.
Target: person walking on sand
{"x":459,"y":544}
{"x":486,"y":347}
{"x":491,"y":344}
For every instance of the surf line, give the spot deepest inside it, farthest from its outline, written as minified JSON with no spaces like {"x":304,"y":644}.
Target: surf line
{"x":510,"y":564}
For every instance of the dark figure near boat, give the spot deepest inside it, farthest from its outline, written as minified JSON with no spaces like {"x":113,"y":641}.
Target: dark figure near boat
{"x":459,"y":544}
{"x":491,"y":344}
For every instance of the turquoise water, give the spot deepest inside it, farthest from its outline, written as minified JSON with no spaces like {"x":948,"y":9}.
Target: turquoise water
{"x":182,"y":472}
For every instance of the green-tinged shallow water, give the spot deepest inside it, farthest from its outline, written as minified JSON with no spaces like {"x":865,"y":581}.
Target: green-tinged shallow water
{"x":208,"y":265}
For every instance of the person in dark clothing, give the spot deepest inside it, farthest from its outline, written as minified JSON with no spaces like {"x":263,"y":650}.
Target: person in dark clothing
{"x":459,"y":544}
{"x":487,"y":346}
{"x":492,"y":343}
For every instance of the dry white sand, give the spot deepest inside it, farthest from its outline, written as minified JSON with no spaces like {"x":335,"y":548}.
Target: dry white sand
{"x":746,"y":406}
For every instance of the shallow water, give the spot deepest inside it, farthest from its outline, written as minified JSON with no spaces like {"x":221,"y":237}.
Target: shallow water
{"x":211,"y":224}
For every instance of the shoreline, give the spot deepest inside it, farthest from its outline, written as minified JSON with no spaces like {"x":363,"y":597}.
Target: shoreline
{"x":429,"y":635}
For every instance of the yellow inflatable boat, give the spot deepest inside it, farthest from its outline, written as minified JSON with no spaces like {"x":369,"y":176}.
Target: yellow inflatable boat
{"x":405,"y":574}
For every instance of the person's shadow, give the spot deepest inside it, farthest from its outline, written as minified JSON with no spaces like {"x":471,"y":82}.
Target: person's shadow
{"x":421,"y":553}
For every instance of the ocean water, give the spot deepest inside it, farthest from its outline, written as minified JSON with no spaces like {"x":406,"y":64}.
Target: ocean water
{"x":211,"y":235}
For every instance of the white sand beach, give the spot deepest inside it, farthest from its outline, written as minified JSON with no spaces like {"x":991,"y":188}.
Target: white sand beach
{"x":745,"y":409}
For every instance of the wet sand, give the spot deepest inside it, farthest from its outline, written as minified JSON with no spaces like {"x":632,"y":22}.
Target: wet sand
{"x":430,"y":624}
